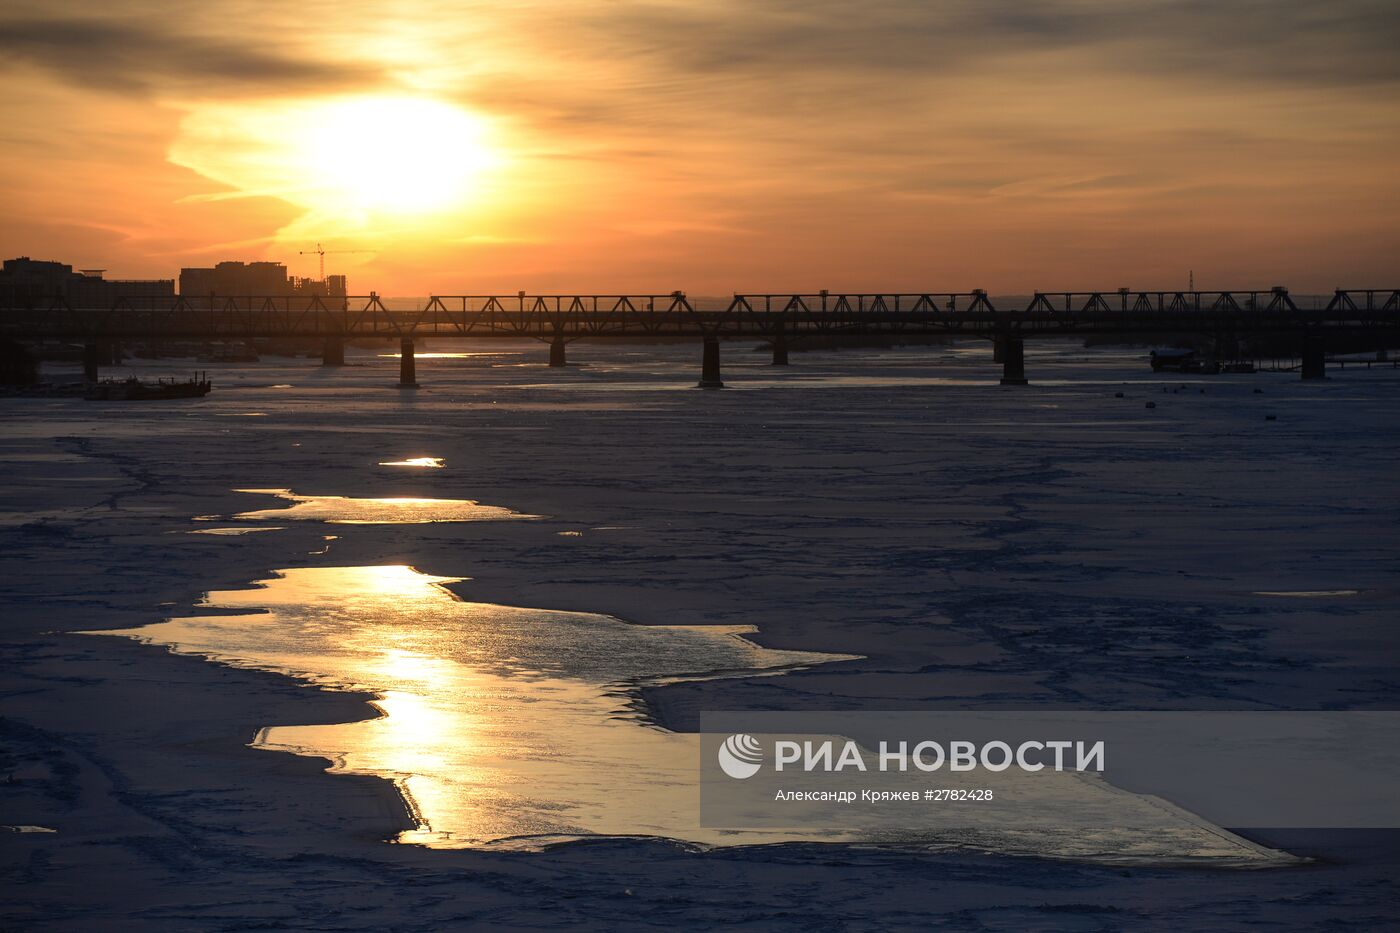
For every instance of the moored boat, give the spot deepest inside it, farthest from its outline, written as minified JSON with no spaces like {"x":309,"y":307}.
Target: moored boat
{"x":135,"y":390}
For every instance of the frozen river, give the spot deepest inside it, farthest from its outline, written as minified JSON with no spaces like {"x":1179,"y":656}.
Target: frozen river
{"x":934,"y":539}
{"x":511,"y":727}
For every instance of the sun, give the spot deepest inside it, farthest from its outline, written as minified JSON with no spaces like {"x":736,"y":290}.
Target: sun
{"x":399,"y":155}
{"x":344,"y":157}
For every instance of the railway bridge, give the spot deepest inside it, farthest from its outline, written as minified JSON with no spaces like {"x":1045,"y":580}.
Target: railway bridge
{"x":778,"y":318}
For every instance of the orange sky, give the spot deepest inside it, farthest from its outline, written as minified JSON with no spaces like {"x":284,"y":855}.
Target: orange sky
{"x":710,"y":145}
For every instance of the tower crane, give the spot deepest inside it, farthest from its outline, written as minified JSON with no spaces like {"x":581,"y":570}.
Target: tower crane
{"x":321,"y":253}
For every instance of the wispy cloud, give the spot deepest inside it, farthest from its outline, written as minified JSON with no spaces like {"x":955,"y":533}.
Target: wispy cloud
{"x":136,"y":57}
{"x":1348,"y":41}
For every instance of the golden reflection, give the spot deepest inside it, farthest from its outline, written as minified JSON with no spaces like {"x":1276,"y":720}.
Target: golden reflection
{"x":408,"y":667}
{"x":427,"y":462}
{"x":408,"y":738}
{"x":391,"y":590}
{"x":394,"y":510}
{"x":234,"y":532}
{"x":498,"y":722}
{"x":516,"y":727}
{"x":450,"y":355}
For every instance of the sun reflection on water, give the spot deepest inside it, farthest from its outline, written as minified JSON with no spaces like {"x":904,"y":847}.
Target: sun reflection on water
{"x":427,"y":462}
{"x":520,"y":727}
{"x":392,"y":510}
{"x":498,"y":722}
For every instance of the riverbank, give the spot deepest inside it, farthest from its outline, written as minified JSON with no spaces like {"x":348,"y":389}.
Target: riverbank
{"x":977,"y":545}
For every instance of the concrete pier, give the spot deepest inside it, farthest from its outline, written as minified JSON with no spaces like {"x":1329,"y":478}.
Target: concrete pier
{"x":1226,"y":348}
{"x":333,"y":352}
{"x":1314,"y":358}
{"x":18,"y":367}
{"x":408,"y":371}
{"x":780,"y":349}
{"x":1013,"y":360}
{"x":709,"y":365}
{"x":556,"y":352}
{"x":92,"y":358}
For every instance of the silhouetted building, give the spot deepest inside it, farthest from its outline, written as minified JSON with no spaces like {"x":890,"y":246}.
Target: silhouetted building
{"x":90,"y":290}
{"x":234,"y":279}
{"x":333,"y":286}
{"x":26,"y":281}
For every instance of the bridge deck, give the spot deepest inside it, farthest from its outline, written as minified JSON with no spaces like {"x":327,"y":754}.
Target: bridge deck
{"x":573,"y":317}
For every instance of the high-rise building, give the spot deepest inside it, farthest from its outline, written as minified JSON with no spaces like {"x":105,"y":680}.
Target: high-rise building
{"x":236,"y":278}
{"x":25,"y":281}
{"x":239,"y":279}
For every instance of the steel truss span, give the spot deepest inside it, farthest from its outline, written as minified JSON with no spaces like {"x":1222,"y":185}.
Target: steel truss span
{"x":575,"y":317}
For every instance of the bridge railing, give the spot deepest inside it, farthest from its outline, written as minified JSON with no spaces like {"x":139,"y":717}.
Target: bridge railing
{"x":1128,"y":300}
{"x":1382,"y":301}
{"x":1276,"y":300}
{"x":862,"y":302}
{"x":681,"y":303}
{"x":527,"y":303}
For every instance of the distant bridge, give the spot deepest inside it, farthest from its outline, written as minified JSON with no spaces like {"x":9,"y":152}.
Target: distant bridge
{"x":778,"y":318}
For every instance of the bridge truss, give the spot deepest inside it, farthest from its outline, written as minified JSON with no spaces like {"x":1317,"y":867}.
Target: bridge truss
{"x":779,"y":318}
{"x":575,"y":317}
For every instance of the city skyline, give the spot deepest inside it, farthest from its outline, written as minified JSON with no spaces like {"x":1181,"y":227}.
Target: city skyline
{"x":645,"y":147}
{"x":26,"y":281}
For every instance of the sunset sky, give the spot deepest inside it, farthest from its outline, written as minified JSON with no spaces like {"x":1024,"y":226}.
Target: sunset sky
{"x":710,"y":145}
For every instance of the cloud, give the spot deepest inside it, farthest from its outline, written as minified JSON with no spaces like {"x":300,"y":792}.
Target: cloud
{"x":862,"y":80}
{"x":1347,"y":41}
{"x":139,"y":58}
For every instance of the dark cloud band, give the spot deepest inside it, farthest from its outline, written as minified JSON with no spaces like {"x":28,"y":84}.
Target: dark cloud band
{"x":137,"y":59}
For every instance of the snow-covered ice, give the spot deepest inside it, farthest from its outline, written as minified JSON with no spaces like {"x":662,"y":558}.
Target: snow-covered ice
{"x":969,"y":545}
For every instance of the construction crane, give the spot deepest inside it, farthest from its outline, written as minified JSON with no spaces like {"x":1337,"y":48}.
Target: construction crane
{"x":318,"y":251}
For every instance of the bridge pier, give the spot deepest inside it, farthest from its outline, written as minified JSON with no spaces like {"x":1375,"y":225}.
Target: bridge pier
{"x":92,"y":359}
{"x":556,"y":352}
{"x":709,"y":365}
{"x":408,"y":374}
{"x":1013,"y":360}
{"x":1314,"y":358}
{"x":780,"y":349}
{"x":18,"y":367}
{"x":333,"y":352}
{"x":1226,"y":348}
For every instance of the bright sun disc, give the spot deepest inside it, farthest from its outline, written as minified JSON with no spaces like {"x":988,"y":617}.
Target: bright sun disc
{"x":342,"y":156}
{"x":396,"y":155}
